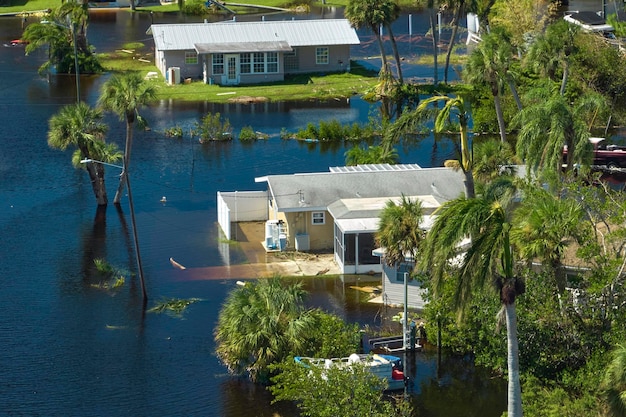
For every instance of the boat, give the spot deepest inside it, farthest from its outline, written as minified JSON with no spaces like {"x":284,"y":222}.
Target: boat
{"x":387,"y":367}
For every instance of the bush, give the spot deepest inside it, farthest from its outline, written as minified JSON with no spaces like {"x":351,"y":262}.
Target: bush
{"x":174,"y":132}
{"x":212,"y":128}
{"x":247,"y":133}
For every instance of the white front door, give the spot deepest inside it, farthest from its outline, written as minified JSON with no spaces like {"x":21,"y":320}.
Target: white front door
{"x":232,"y":69}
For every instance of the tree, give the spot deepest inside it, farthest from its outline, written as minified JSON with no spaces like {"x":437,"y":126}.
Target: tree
{"x":372,"y":155}
{"x":489,"y":64}
{"x":124,"y":94}
{"x":79,"y":126}
{"x":399,"y":230}
{"x":487,"y":260}
{"x":337,"y":391}
{"x":549,"y":123}
{"x":492,"y":159}
{"x":459,"y":7}
{"x":61,"y":28}
{"x":614,"y":384}
{"x":374,"y":14}
{"x":551,"y":51}
{"x":546,"y":225}
{"x":456,"y":106}
{"x":261,"y":323}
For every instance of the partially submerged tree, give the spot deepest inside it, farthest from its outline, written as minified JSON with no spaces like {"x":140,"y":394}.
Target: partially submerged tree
{"x":399,"y":231}
{"x":261,"y":323}
{"x":124,"y":94}
{"x":482,"y":226}
{"x":80,"y":126}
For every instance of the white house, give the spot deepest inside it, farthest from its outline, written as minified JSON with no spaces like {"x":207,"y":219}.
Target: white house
{"x":232,"y":52}
{"x":339,"y":210}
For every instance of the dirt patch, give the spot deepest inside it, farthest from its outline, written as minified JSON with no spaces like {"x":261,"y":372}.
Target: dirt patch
{"x":248,"y":99}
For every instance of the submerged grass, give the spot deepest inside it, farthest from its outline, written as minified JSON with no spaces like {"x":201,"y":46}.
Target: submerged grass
{"x":173,"y":306}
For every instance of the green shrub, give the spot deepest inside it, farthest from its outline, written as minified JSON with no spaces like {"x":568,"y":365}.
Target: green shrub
{"x":174,"y":132}
{"x":212,"y":128}
{"x":247,"y":133}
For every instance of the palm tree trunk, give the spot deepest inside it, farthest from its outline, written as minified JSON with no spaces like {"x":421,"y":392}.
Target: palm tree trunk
{"x":433,"y":29}
{"x":96,"y":175}
{"x":383,"y":56}
{"x":127,"y":149}
{"x":396,"y":54}
{"x":515,"y":390}
{"x":565,"y":76}
{"x":515,"y":94}
{"x":500,"y":116}
{"x":470,"y":190}
{"x":455,"y":29}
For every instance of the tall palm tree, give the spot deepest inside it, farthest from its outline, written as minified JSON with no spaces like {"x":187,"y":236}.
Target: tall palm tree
{"x":373,"y":15}
{"x":124,"y":94}
{"x":453,"y":106}
{"x":80,"y":126}
{"x":489,"y":64}
{"x":459,"y":7}
{"x":399,"y":230}
{"x":614,"y":383}
{"x":260,"y":324}
{"x":492,"y":159}
{"x":549,"y":123}
{"x":487,"y":260}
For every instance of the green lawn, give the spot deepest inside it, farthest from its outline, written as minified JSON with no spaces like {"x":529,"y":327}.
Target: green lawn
{"x":301,"y":87}
{"x":18,"y":6}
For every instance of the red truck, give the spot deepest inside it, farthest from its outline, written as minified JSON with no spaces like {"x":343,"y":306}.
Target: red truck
{"x":604,"y":155}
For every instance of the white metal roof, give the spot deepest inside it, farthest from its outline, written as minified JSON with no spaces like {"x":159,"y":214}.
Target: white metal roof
{"x":186,"y":36}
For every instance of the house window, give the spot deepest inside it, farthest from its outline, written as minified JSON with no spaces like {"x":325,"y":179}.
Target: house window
{"x":272,"y":62}
{"x":191,"y":58}
{"x":321,"y":55}
{"x":318,"y":217}
{"x":244,"y":63}
{"x":402,"y":269}
{"x":259,"y":62}
{"x":218,"y":64}
{"x":291,"y":61}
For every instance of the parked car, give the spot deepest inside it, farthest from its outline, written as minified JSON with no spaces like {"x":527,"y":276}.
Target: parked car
{"x":604,"y":155}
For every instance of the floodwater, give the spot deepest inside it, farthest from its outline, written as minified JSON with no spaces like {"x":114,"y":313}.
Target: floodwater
{"x":71,"y":348}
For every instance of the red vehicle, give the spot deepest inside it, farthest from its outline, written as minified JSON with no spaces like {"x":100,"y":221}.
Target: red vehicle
{"x":605,"y":155}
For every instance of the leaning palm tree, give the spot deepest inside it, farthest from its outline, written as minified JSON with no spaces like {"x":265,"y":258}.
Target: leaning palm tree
{"x":487,"y":260}
{"x":614,"y":383}
{"x":261,"y":323}
{"x":80,"y":126}
{"x":399,"y":230}
{"x":124,"y":94}
{"x":453,"y":106}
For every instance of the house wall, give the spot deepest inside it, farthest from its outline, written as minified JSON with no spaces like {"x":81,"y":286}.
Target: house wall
{"x":320,"y":235}
{"x":338,"y":60}
{"x":393,"y":290}
{"x":177,"y":59}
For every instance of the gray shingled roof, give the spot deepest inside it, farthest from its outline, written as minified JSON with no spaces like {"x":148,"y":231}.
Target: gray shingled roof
{"x":317,"y":191}
{"x":186,"y":36}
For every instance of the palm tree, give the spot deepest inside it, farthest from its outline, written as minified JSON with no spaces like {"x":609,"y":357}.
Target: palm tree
{"x":399,"y":230}
{"x":435,"y":38}
{"x":487,"y":260}
{"x":374,"y":14}
{"x":459,"y":7}
{"x":551,"y":51}
{"x":453,"y":106}
{"x":489,"y":64}
{"x":124,"y":94}
{"x":79,"y":126}
{"x":545,"y":226}
{"x":614,"y":383}
{"x":260,"y":324}
{"x":492,"y":159}
{"x":551,"y":122}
